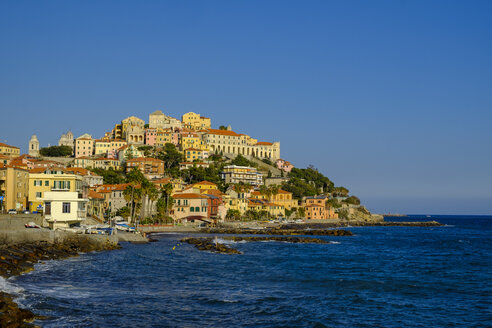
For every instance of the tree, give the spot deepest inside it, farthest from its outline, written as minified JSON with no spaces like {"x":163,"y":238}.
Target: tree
{"x":123,"y":212}
{"x":240,"y":160}
{"x":171,"y":156}
{"x":301,"y":212}
{"x":56,"y":151}
{"x":133,"y":193}
{"x":307,"y":182}
{"x":353,"y":200}
{"x":233,"y":214}
{"x":110,"y":176}
{"x":222,"y":127}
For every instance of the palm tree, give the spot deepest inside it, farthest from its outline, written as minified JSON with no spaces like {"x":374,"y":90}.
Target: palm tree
{"x":167,"y":190}
{"x":133,"y":193}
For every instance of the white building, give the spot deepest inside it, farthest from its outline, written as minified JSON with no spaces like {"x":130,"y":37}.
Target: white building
{"x":64,"y":208}
{"x":245,"y":174}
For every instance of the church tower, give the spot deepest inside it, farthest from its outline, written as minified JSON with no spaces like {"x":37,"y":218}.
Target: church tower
{"x":34,"y":146}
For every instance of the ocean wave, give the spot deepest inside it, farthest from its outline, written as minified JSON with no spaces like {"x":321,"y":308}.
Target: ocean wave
{"x":9,"y":288}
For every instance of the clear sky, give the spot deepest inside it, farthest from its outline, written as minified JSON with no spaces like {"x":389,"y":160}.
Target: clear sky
{"x":392,"y":99}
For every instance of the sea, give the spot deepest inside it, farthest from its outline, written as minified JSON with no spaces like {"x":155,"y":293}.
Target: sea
{"x":380,"y":277}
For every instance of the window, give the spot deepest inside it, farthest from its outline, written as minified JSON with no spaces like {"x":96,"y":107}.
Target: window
{"x":46,"y":183}
{"x":66,"y":208}
{"x":38,"y":195}
{"x":192,"y":209}
{"x":197,"y":209}
{"x":47,"y":208}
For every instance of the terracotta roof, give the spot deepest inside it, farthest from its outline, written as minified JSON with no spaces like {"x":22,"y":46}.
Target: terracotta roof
{"x":2,"y":166}
{"x":205,"y":183}
{"x":145,"y":159}
{"x":163,"y":180}
{"x":223,"y":132}
{"x":213,"y":192}
{"x":280,"y":191}
{"x":4,"y":156}
{"x":95,"y":195}
{"x":264,"y":143}
{"x":5,"y":145}
{"x":38,"y":170}
{"x":84,"y":157}
{"x":78,"y":170}
{"x":188,"y":196}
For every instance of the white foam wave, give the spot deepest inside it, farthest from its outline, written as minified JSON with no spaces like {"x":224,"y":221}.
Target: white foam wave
{"x":10,"y":288}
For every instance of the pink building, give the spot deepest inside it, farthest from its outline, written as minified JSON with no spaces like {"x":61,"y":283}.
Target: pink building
{"x":284,"y":165}
{"x":150,"y":137}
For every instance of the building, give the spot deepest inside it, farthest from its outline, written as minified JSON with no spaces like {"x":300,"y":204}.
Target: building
{"x":5,"y":160}
{"x":195,"y":154}
{"x":190,"y":207}
{"x":8,"y":150}
{"x":63,"y":208}
{"x":89,"y":178}
{"x":158,"y":120}
{"x":131,"y":129}
{"x":14,"y":187}
{"x":106,"y":147}
{"x":284,"y":198}
{"x":176,"y":183}
{"x":83,"y":162}
{"x":47,"y":180}
{"x":284,"y":165}
{"x":107,"y":164}
{"x":150,"y":136}
{"x":66,"y":139}
{"x":189,"y":165}
{"x":34,"y":146}
{"x":205,"y":186}
{"x":114,"y":197}
{"x":232,"y":143}
{"x":128,"y":152}
{"x":195,"y":121}
{"x":164,"y":136}
{"x":244,"y":174}
{"x":95,"y":206}
{"x":316,"y":208}
{"x":148,"y":166}
{"x":84,"y":146}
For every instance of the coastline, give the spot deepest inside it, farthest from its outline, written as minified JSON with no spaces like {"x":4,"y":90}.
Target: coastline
{"x":21,"y":249}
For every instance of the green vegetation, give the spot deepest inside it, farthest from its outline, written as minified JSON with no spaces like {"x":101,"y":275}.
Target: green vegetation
{"x":340,"y":192}
{"x":198,"y":174}
{"x":240,"y":160}
{"x":56,"y":151}
{"x":222,"y":127}
{"x":110,"y":176}
{"x":353,"y":200}
{"x":307,"y":182}
{"x":233,"y":215}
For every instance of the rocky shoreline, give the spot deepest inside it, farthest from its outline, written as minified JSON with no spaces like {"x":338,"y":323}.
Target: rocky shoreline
{"x":16,"y":259}
{"x":211,"y":245}
{"x":280,"y":231}
{"x":342,"y":224}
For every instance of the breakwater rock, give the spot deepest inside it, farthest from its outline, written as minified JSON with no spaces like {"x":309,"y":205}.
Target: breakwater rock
{"x":16,"y":259}
{"x":289,"y":239}
{"x":208,"y":244}
{"x":278,"y":231}
{"x":341,"y":224}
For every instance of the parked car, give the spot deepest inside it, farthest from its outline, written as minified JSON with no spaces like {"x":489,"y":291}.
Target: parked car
{"x":12,"y":211}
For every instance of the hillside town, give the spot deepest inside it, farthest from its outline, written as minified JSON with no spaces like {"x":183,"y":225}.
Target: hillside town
{"x":165,"y":171}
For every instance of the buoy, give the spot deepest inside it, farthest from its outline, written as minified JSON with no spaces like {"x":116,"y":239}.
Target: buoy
{"x":174,"y":248}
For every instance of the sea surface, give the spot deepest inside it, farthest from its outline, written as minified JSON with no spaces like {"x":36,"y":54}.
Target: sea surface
{"x":381,"y":277}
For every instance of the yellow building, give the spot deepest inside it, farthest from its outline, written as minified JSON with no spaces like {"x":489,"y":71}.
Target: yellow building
{"x":9,"y":150}
{"x":14,"y":184}
{"x":163,"y":136}
{"x":43,"y":180}
{"x":195,"y":121}
{"x":284,"y":198}
{"x":104,"y":146}
{"x":193,"y":154}
{"x":262,"y":205}
{"x":230,"y":142}
{"x":120,"y":130}
{"x":205,"y":185}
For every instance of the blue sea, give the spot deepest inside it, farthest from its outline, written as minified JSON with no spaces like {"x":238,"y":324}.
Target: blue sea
{"x":381,"y":277}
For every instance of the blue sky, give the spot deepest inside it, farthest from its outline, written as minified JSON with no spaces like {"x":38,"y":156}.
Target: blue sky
{"x":392,"y":99}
